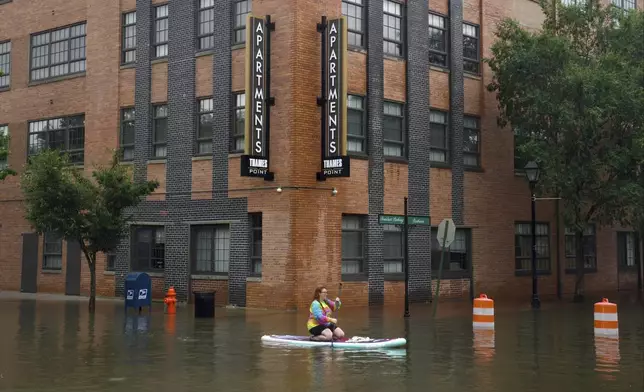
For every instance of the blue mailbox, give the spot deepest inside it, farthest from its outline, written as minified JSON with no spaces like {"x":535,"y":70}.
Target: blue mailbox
{"x":138,"y":290}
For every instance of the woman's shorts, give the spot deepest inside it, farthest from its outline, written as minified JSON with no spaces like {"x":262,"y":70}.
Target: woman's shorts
{"x":317,"y":330}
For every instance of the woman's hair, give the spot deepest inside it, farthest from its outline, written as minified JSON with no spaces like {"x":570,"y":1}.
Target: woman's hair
{"x":318,"y":290}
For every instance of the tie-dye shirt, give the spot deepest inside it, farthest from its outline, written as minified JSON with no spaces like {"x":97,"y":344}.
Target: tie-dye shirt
{"x":320,"y":312}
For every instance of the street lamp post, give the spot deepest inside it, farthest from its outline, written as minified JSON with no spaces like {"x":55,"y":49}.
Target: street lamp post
{"x":532,"y":174}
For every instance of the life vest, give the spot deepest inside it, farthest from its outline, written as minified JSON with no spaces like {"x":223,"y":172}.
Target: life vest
{"x":319,"y":311}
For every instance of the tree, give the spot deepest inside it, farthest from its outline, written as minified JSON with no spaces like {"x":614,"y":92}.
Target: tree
{"x":60,"y":198}
{"x":5,"y":170}
{"x":573,"y":93}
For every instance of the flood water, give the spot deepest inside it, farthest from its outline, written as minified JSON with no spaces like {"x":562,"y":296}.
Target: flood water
{"x":55,"y":345}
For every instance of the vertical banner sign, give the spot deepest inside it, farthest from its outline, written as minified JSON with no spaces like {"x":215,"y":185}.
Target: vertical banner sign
{"x":335,"y":162}
{"x":255,"y":162}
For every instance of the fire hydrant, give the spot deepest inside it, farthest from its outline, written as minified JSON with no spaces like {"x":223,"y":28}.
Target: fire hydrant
{"x":171,"y":301}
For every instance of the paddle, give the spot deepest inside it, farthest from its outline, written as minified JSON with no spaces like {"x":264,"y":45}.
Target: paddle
{"x":337,"y":310}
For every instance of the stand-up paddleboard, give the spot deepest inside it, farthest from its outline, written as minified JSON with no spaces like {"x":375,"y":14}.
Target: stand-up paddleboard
{"x":355,"y":342}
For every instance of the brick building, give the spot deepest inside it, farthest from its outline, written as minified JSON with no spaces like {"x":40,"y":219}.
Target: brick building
{"x":165,"y":80}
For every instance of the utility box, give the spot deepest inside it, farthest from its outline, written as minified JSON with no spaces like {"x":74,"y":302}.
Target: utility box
{"x":138,"y":291}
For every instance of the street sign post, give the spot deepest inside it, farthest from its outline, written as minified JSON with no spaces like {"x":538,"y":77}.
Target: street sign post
{"x":445,"y":236}
{"x":405,"y":220}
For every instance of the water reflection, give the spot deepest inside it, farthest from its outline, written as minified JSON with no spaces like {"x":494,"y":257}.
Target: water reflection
{"x":58,"y":346}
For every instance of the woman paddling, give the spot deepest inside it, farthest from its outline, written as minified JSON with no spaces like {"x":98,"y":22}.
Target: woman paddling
{"x":320,"y":324}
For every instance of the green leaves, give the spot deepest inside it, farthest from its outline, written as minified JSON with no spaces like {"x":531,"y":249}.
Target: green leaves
{"x":573,"y":93}
{"x":5,"y":171}
{"x":59,"y":197}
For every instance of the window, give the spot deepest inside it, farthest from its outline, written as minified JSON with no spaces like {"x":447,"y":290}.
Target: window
{"x":148,"y":249}
{"x":392,"y":28}
{"x":160,"y":131}
{"x":211,"y":249}
{"x":241,"y":10}
{"x":457,"y":257}
{"x":523,"y":247}
{"x":206,"y":24}
{"x":438,"y":136}
{"x":52,"y":254}
{"x":5,"y":64}
{"x":4,"y":131}
{"x":204,"y":131}
{"x":66,"y":134}
{"x":624,"y":4}
{"x":239,"y":127}
{"x":471,"y":48}
{"x":58,"y":52}
{"x":256,"y":244}
{"x":110,"y":261}
{"x":392,"y":129}
{"x":356,"y":136}
{"x":354,"y":12}
{"x":627,"y":249}
{"x":393,"y":249}
{"x":353,"y":244}
{"x":128,"y":118}
{"x":129,"y":38}
{"x":471,"y":147}
{"x":438,"y":40}
{"x":590,"y":256}
{"x":160,"y":39}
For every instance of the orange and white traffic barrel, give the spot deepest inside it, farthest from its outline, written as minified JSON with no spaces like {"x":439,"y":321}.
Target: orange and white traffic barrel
{"x":606,"y":319}
{"x":483,"y":313}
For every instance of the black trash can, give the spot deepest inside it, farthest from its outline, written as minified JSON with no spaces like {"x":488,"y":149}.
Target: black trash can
{"x":204,"y":304}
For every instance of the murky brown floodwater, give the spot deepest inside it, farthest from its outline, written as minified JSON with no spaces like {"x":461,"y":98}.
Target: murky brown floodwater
{"x":53,"y":345}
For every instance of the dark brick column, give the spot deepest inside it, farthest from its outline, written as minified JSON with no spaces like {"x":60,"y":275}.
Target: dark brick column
{"x":142,"y":92}
{"x":181,"y":131}
{"x":375,"y":92}
{"x":418,"y":142}
{"x":457,"y":98}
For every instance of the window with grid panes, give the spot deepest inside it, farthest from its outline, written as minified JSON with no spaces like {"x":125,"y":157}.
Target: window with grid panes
{"x":392,"y":251}
{"x":159,"y":131}
{"x":206,"y":24}
{"x":590,"y":248}
{"x":457,"y":257}
{"x":354,"y":12}
{"x":211,"y":249}
{"x":471,"y":146}
{"x":65,"y":134}
{"x":392,"y":129}
{"x":4,"y":159}
{"x":471,"y":55}
{"x":110,"y":260}
{"x":356,"y":135}
{"x":58,"y":52}
{"x":148,"y":248}
{"x":239,"y":126}
{"x":438,"y":41}
{"x":392,"y":24}
{"x":128,"y":118}
{"x":129,"y":38}
{"x":523,"y":247}
{"x":438,"y":136}
{"x":204,"y":131}
{"x":241,"y":10}
{"x":353,"y":244}
{"x":52,"y":255}
{"x":627,"y":249}
{"x":5,"y":64}
{"x":625,"y":4}
{"x":256,"y":243}
{"x":160,"y":34}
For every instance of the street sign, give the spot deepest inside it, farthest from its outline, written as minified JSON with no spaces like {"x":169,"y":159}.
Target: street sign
{"x":384,"y":219}
{"x":447,"y":232}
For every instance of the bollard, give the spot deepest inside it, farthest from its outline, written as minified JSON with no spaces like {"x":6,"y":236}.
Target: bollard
{"x":606,"y":319}
{"x":483,"y":313}
{"x":170,"y":301}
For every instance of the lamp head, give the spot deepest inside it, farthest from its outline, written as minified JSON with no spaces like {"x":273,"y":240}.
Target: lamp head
{"x":532,"y":172}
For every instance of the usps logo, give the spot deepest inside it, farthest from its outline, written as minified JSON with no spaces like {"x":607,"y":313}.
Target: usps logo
{"x":130,"y":294}
{"x":143,"y":293}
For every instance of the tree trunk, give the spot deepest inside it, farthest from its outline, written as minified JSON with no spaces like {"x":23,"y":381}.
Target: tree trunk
{"x":92,"y":285}
{"x":580,"y":267}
